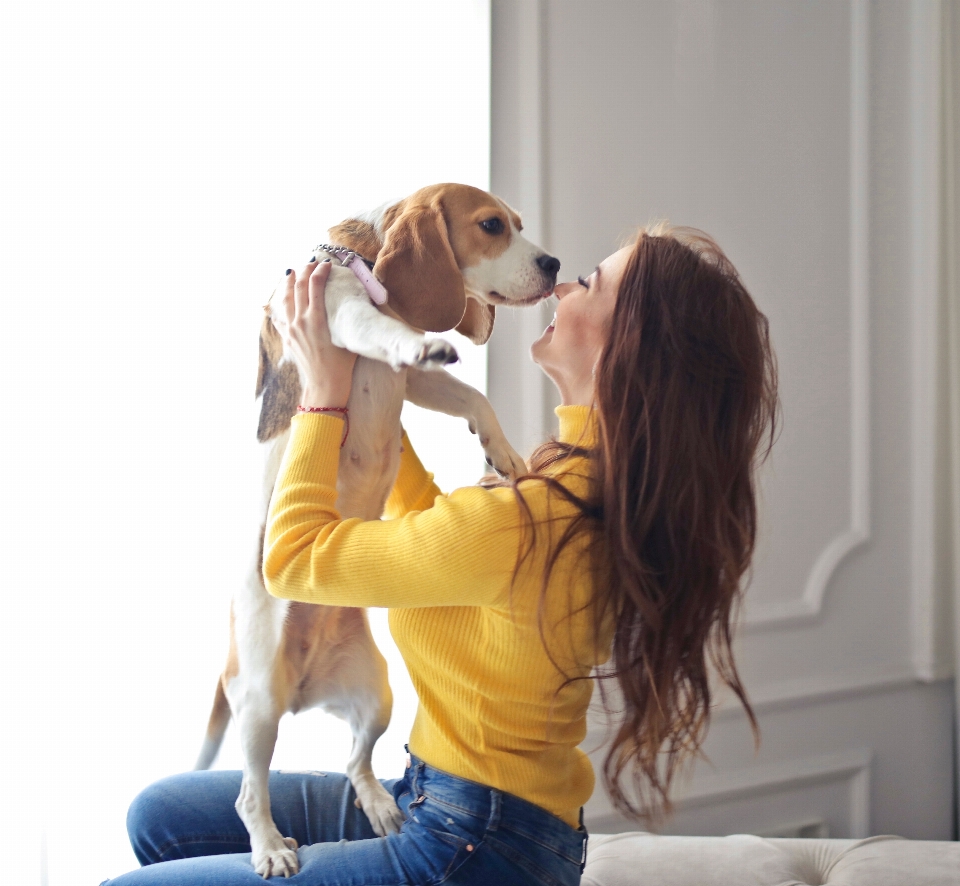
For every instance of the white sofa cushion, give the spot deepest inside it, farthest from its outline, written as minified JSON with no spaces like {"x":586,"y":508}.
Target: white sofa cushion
{"x":641,"y":859}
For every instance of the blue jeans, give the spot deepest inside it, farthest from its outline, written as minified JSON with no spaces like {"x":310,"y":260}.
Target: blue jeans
{"x":185,"y":832}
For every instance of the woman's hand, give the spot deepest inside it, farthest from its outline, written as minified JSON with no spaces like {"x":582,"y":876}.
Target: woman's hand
{"x":327,"y":370}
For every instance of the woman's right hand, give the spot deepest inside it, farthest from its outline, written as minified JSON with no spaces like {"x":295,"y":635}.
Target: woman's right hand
{"x":327,"y":369}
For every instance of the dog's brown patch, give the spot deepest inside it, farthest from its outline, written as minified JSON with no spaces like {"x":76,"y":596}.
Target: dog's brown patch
{"x":428,"y":239}
{"x":278,"y":385}
{"x":271,"y":349}
{"x":233,"y":659}
{"x":419,"y":270}
{"x":360,"y":236}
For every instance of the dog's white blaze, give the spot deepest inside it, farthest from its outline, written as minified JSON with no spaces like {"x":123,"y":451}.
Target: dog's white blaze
{"x":514,"y":274}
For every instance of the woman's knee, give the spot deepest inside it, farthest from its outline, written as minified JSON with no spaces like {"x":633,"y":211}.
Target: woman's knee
{"x":187,"y":815}
{"x":146,"y":818}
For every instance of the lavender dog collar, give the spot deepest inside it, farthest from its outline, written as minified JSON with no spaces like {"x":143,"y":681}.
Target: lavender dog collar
{"x":349,"y":259}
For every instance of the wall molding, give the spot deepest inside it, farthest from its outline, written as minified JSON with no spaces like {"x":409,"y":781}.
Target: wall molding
{"x":784,"y":696}
{"x":820,"y":689}
{"x":853,"y":766}
{"x":925,"y":189}
{"x":789,"y":695}
{"x":519,"y":391}
{"x":777,"y":778}
{"x":950,"y":239}
{"x":807,"y":608}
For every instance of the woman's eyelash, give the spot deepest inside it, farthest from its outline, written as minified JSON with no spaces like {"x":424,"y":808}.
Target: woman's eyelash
{"x":583,"y":283}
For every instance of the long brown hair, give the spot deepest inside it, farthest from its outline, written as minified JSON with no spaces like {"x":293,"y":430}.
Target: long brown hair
{"x":686,"y":403}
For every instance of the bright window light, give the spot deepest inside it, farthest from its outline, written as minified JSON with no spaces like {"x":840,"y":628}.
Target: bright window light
{"x":163,"y":164}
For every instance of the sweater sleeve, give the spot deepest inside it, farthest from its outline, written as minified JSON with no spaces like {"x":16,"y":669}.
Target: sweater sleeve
{"x":414,"y":489}
{"x":460,"y":552}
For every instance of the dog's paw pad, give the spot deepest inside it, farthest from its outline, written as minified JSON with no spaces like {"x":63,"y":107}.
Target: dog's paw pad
{"x":437,"y":352}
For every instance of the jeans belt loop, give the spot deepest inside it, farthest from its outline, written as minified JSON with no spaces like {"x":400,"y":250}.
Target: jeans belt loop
{"x":495,"y":801}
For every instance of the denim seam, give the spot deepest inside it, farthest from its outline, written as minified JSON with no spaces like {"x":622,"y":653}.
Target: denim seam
{"x":471,"y":812}
{"x":548,"y":846}
{"x":207,"y":838}
{"x":453,"y":868}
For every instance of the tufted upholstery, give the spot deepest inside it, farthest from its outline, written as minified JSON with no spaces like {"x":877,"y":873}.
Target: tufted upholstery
{"x":640,"y":859}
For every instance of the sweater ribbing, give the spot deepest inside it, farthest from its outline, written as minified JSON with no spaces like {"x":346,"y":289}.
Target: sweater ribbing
{"x":493,"y":706}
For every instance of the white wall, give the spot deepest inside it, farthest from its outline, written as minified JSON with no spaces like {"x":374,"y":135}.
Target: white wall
{"x":161,"y":165}
{"x":803,"y":136}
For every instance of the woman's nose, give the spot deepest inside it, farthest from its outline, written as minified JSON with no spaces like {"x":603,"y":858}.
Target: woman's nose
{"x":564,"y":289}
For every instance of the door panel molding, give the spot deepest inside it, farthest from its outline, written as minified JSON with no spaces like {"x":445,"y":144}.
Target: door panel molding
{"x":807,"y":608}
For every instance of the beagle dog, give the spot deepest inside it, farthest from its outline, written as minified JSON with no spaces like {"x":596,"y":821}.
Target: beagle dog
{"x":447,"y":256}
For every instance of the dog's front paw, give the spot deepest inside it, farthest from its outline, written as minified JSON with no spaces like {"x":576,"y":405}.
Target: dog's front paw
{"x":382,"y":811}
{"x":503,"y":458}
{"x":277,"y":858}
{"x":435,"y":354}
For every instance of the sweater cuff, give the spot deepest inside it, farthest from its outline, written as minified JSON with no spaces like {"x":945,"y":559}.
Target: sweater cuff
{"x":313,"y":452}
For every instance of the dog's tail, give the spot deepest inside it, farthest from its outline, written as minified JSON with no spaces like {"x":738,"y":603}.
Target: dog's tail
{"x":216,"y":728}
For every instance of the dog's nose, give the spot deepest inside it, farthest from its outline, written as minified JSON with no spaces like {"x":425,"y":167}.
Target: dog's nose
{"x":549,"y":265}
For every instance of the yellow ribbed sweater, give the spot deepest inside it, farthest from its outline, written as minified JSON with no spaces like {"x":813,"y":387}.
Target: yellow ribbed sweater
{"x":493,"y":707}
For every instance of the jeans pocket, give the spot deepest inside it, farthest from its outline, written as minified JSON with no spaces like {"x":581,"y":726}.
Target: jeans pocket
{"x":539,"y":864}
{"x":449,"y":833}
{"x":448,"y":820}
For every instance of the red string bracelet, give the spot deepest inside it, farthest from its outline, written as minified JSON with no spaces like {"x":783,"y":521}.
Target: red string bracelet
{"x":340,"y":410}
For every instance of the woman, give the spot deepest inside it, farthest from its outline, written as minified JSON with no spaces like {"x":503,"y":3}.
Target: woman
{"x":619,"y":556}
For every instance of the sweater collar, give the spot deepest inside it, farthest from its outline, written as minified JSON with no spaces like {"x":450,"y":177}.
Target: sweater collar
{"x":578,"y":425}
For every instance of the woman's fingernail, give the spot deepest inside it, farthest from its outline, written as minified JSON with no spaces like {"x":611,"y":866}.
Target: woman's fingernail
{"x":313,"y":258}
{"x":289,"y":271}
{"x":326,"y":261}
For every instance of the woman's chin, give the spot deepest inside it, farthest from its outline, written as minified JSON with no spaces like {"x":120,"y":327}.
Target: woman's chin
{"x":537,"y":347}
{"x":545,"y":336}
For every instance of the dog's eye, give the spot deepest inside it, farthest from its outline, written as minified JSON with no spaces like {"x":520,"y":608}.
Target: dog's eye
{"x":492,"y":225}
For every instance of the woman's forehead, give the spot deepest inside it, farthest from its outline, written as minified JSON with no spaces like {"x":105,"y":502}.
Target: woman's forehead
{"x":614,"y":265}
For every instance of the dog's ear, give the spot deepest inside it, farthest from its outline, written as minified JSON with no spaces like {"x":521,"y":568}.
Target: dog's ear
{"x":477,"y":322}
{"x":278,"y":384}
{"x":269,"y":338}
{"x":418,"y":269}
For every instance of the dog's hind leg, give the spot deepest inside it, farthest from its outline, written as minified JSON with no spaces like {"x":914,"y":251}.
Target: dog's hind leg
{"x":257,"y":720}
{"x":359,"y":693}
{"x":368,"y":723}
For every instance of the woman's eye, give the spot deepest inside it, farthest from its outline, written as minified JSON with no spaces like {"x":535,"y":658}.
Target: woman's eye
{"x":492,"y":226}
{"x":583,"y":283}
